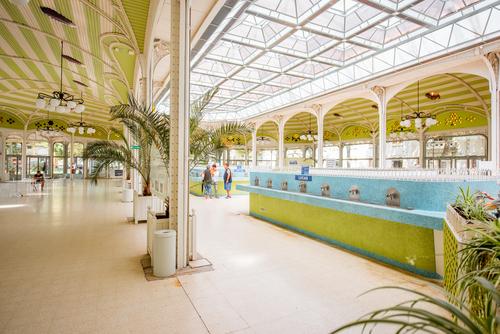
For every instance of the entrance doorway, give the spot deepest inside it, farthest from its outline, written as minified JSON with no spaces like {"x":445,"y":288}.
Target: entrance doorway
{"x":14,"y":167}
{"x":35,"y":163}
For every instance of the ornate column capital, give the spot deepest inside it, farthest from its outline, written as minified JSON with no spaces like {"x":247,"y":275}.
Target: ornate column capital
{"x":493,"y":59}
{"x":379,"y":91}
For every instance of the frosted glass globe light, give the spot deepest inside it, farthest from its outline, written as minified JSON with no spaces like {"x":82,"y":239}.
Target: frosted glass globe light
{"x":55,"y":102}
{"x":40,"y":103}
{"x":71,"y":104}
{"x":79,"y":108}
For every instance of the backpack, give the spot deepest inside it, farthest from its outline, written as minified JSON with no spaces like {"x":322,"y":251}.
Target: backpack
{"x":207,"y":177}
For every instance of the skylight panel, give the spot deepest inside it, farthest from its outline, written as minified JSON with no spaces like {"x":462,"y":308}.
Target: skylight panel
{"x":292,"y":11}
{"x":232,"y":52}
{"x":276,"y":62}
{"x":237,"y":85}
{"x":286,"y":80}
{"x":310,"y":69}
{"x":254,"y":75}
{"x":256,"y":31}
{"x":304,"y":44}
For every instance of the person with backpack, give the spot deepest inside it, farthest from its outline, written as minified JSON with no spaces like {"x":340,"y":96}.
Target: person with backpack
{"x":228,"y":179}
{"x":206,"y":178}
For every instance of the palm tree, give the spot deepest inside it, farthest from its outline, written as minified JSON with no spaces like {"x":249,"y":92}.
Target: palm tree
{"x":150,"y":128}
{"x":107,"y":152}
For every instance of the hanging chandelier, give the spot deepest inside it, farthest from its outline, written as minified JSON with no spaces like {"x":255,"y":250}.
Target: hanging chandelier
{"x":81,"y":127}
{"x":421,"y":119}
{"x":49,"y":129}
{"x":309,"y":135}
{"x":60,"y":100}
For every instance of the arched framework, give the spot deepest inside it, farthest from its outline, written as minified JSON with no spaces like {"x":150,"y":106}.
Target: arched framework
{"x":460,"y":105}
{"x":265,"y":145}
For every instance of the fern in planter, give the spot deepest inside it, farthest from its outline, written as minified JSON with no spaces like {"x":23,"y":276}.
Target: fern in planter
{"x":480,"y":257}
{"x":419,"y":316}
{"x":471,"y":206}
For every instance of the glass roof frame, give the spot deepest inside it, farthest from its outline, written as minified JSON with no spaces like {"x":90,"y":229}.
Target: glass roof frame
{"x":345,"y":58}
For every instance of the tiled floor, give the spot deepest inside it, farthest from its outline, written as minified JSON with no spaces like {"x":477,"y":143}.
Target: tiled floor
{"x":69,"y":263}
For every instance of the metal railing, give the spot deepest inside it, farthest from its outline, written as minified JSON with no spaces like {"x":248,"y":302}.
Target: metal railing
{"x":442,"y":174}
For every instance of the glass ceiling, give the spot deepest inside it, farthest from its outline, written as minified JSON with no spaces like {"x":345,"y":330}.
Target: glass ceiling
{"x":268,"y":54}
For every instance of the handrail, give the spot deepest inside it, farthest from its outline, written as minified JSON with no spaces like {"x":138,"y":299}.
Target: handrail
{"x":441,"y":174}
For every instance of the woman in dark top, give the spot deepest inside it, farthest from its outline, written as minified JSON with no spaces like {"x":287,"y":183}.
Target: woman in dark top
{"x":228,"y":179}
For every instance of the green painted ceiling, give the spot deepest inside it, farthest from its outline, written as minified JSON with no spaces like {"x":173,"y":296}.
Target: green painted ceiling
{"x":30,"y":55}
{"x":137,"y":12}
{"x":464,"y":103}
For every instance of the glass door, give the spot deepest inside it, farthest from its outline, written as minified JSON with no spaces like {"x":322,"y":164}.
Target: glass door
{"x":14,"y":167}
{"x":35,"y":164}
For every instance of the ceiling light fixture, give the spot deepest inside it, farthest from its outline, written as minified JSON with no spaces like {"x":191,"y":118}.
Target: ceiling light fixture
{"x":60,"y":100}
{"x":420,"y":118}
{"x":71,"y":59}
{"x":80,"y":83}
{"x":55,"y":15}
{"x":81,"y":127}
{"x":309,"y":135}
{"x":433,"y":95}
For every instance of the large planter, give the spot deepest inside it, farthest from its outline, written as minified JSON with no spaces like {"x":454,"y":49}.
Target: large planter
{"x":156,"y":221}
{"x":456,"y":232}
{"x":127,"y":192}
{"x":141,"y":205}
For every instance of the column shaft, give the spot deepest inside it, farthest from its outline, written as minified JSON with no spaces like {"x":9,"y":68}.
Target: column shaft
{"x":494,"y":129}
{"x":254,"y":148}
{"x":281,"y":144}
{"x":24,"y":173}
{"x":2,"y":157}
{"x":320,"y":140}
{"x":179,"y":122}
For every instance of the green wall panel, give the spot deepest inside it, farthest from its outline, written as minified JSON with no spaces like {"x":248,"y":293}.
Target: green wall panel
{"x":406,"y":246}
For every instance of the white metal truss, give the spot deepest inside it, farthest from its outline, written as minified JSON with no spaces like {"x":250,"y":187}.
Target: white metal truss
{"x":267,"y":54}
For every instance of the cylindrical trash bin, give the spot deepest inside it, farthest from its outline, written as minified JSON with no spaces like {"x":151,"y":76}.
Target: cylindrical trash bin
{"x":164,"y":253}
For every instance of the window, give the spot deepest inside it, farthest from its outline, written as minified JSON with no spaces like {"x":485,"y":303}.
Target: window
{"x":59,"y":158}
{"x":357,"y":155}
{"x":403,"y":154}
{"x":37,"y":148}
{"x":267,"y":158}
{"x":456,"y":151}
{"x":294,"y":153}
{"x":13,"y":148}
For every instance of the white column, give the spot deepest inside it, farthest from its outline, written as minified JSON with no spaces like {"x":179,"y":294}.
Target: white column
{"x":320,"y":120}
{"x":375,"y":149}
{"x":2,"y":158}
{"x":179,"y":122}
{"x":23,"y":155}
{"x":494,"y":128}
{"x":421,"y":154}
{"x":85,"y":163}
{"x":71,"y":156}
{"x":493,"y":63}
{"x":51,"y":159}
{"x":281,"y":142}
{"x":254,"y":148}
{"x":382,"y":120}
{"x":341,"y":154}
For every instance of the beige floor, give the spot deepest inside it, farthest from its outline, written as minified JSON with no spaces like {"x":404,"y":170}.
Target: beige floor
{"x":69,"y":263}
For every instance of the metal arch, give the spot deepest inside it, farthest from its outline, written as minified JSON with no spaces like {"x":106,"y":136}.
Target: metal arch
{"x":472,"y":90}
{"x":14,"y":112}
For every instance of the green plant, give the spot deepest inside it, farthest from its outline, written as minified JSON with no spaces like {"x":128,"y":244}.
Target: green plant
{"x":427,"y":314}
{"x":479,"y":257}
{"x":470,"y":206}
{"x":106,"y":152}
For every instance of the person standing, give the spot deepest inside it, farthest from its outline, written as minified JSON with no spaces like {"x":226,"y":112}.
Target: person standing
{"x":207,"y":182}
{"x":228,"y":179}
{"x":215,"y":179}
